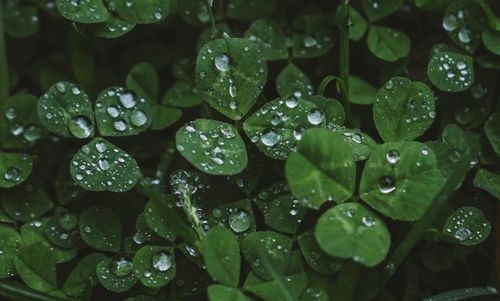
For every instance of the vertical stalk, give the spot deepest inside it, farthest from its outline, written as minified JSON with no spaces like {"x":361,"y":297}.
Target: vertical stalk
{"x":4,"y":76}
{"x":208,"y":4}
{"x":344,"y":58}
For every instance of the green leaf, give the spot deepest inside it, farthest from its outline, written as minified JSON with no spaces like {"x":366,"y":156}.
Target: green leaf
{"x":67,"y":111}
{"x":403,"y":110}
{"x":267,"y":252}
{"x":116,"y":275}
{"x":237,"y":216}
{"x":315,"y":257}
{"x":492,"y":131}
{"x":360,"y":143}
{"x":10,"y":243}
{"x":120,"y":112}
{"x":361,"y":92}
{"x":322,"y":169}
{"x":377,"y":9}
{"x":467,"y":226}
{"x":357,"y":25}
{"x":388,"y":44}
{"x":20,"y":20}
{"x":284,"y":288}
{"x":90,"y":11}
{"x":221,"y":252}
{"x":277,"y":127}
{"x":334,"y":111}
{"x":314,"y":294}
{"x":231,"y":74}
{"x":464,"y":21}
{"x":113,"y":28}
{"x":433,"y":5}
{"x":217,"y":292}
{"x":61,"y":229}
{"x":182,"y":94}
{"x":463,"y":294}
{"x":101,"y":229}
{"x":36,"y":265}
{"x":164,"y":116}
{"x":246,"y":10}
{"x":206,"y":36}
{"x":14,"y":169}
{"x":359,"y":234}
{"x":154,"y":266}
{"x":212,"y":146}
{"x":395,"y":173}
{"x":451,"y":72}
{"x":144,"y":11}
{"x":77,"y":280}
{"x":101,"y":166}
{"x":143,"y":80}
{"x":269,"y":35}
{"x":284,"y":214}
{"x":491,"y":40}
{"x":488,"y":181}
{"x":314,"y":37}
{"x":292,"y":82}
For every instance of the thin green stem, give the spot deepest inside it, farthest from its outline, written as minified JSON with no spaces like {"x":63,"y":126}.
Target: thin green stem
{"x":192,"y":215}
{"x":16,"y":291}
{"x":344,"y":58}
{"x":4,"y":76}
{"x":208,"y":4}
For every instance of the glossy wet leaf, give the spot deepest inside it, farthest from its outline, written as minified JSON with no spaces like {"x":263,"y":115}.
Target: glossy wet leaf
{"x":221,"y":252}
{"x":314,"y":294}
{"x":388,"y":44}
{"x":157,"y":213}
{"x":20,"y":20}
{"x":36,"y":265}
{"x":322,"y":169}
{"x":10,"y":243}
{"x":237,"y":217}
{"x":14,"y":169}
{"x":360,"y":91}
{"x":144,"y":11}
{"x":333,"y":109}
{"x":358,"y":25}
{"x":451,"y":72}
{"x":464,"y":21}
{"x":231,"y":74}
{"x":277,"y":127}
{"x":463,"y":294}
{"x":395,"y":173}
{"x":467,"y":226}
{"x":488,"y":181}
{"x":378,"y":9}
{"x":116,"y":275}
{"x":113,"y":28}
{"x":491,"y":40}
{"x":492,"y":131}
{"x":361,"y":144}
{"x":62,"y":229}
{"x":359,"y":234}
{"x":284,"y":214}
{"x":292,"y":82}
{"x":120,"y":112}
{"x":101,"y":166}
{"x":212,"y":146}
{"x":164,"y":116}
{"x":206,"y":36}
{"x":269,"y":35}
{"x":87,"y":11}
{"x":314,"y":36}
{"x":143,"y":80}
{"x":315,"y":256}
{"x":284,"y":288}
{"x":217,"y":292}
{"x":182,"y":94}
{"x":75,"y":283}
{"x":101,"y":229}
{"x":403,"y":110}
{"x":267,"y":252}
{"x":249,"y":10}
{"x":67,"y":111}
{"x":154,"y":266}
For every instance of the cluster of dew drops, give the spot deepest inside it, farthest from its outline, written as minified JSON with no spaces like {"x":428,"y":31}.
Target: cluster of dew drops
{"x":100,"y":162}
{"x":459,"y":228}
{"x":75,"y":5}
{"x":31,"y":132}
{"x":451,"y":24}
{"x":457,"y":72}
{"x":127,"y":102}
{"x":13,"y":173}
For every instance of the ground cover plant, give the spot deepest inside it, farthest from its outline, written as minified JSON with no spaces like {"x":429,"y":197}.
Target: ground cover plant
{"x":235,"y":150}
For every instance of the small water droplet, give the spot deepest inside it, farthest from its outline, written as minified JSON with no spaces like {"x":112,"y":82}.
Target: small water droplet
{"x":386,"y":184}
{"x":162,"y":262}
{"x":270,"y":137}
{"x":239,"y":221}
{"x":222,"y":63}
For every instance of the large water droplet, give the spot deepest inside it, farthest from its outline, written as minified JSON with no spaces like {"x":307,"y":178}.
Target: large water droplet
{"x":10,"y":113}
{"x":239,"y":221}
{"x":449,"y":22}
{"x":121,"y":268}
{"x":68,"y":221}
{"x":387,"y":184}
{"x":120,"y":125}
{"x":103,"y":164}
{"x":462,"y":234}
{"x":315,"y":116}
{"x":310,"y":41}
{"x":222,"y":63}
{"x":138,"y":118}
{"x":113,"y":111}
{"x":392,"y":156}
{"x":298,"y":131}
{"x":32,"y":133}
{"x":269,"y":137}
{"x":12,"y":174}
{"x":80,"y":127}
{"x":162,"y":262}
{"x":127,"y":99}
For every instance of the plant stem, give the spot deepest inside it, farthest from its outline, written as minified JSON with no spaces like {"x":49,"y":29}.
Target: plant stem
{"x":192,"y":215}
{"x":16,"y":291}
{"x":344,"y":58}
{"x":208,"y":4}
{"x":4,"y":76}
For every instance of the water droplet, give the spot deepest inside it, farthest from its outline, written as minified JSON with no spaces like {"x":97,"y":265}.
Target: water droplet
{"x":113,"y":111}
{"x":392,"y":156}
{"x":310,"y":42}
{"x":162,"y":262}
{"x":76,"y":90}
{"x":368,"y":221}
{"x":386,"y":184}
{"x":10,"y":113}
{"x":120,"y":125}
{"x":80,"y":127}
{"x":127,"y":99}
{"x":222,"y":63}
{"x":103,"y":164}
{"x":270,"y":137}
{"x":449,"y":22}
{"x":464,"y":35}
{"x":298,"y":131}
{"x":462,"y":234}
{"x":315,"y":116}
{"x":121,"y":268}
{"x":32,"y":133}
{"x":12,"y":174}
{"x":233,"y":90}
{"x":291,"y":102}
{"x":61,"y":88}
{"x":239,"y":221}
{"x":138,"y":118}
